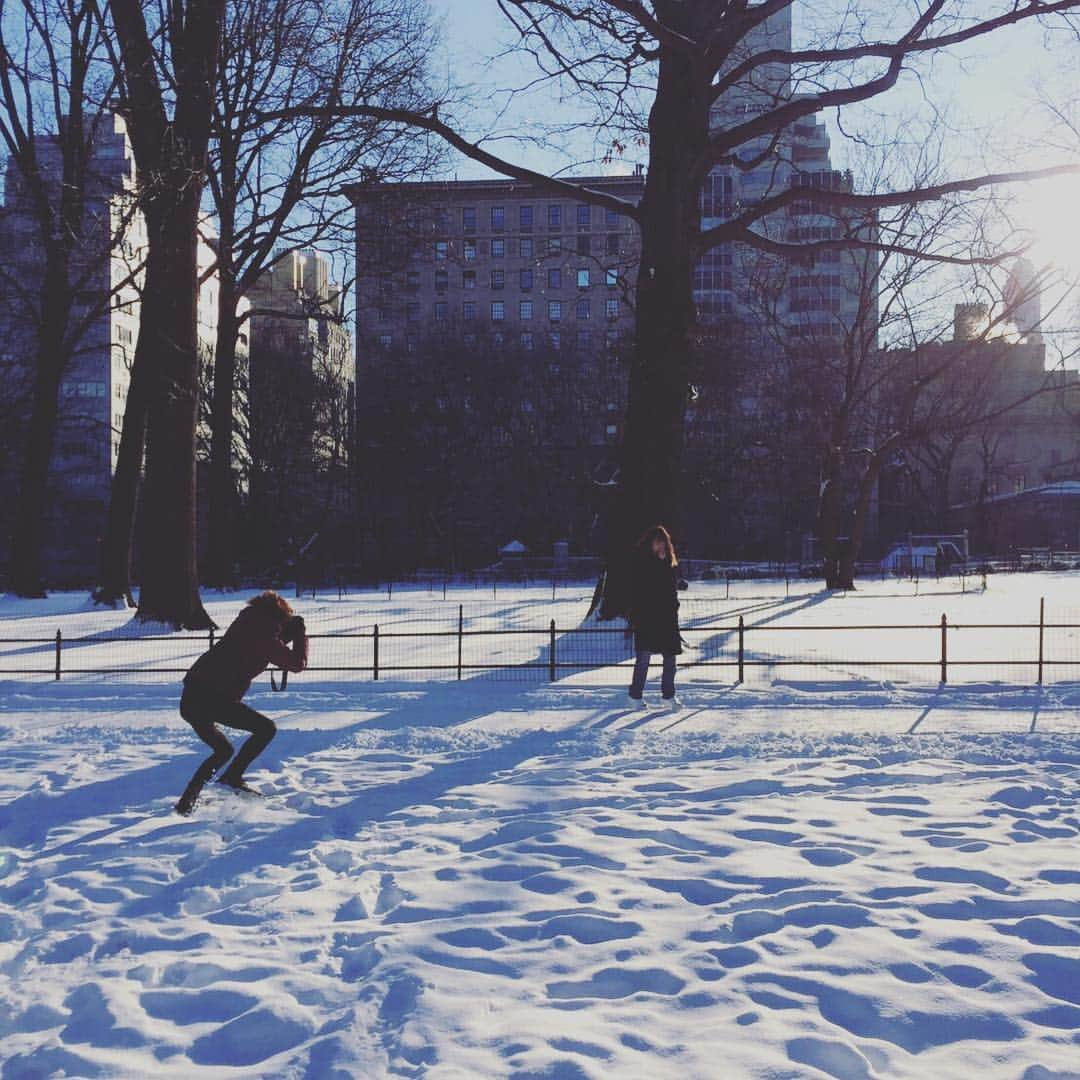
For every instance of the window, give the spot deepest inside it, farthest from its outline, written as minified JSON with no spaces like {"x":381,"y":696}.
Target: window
{"x":498,"y":279}
{"x":584,"y":245}
{"x":440,"y":310}
{"x":583,"y":277}
{"x":527,"y":340}
{"x":525,"y":218}
{"x":584,"y":309}
{"x":584,"y":340}
{"x":555,"y":340}
{"x":612,"y":429}
{"x":412,"y":311}
{"x":525,"y":310}
{"x":611,"y":218}
{"x":497,"y":340}
{"x":468,"y":250}
{"x":525,"y":279}
{"x":410,"y":343}
{"x":554,"y":310}
{"x":584,"y":216}
{"x":611,"y":340}
{"x":498,"y":248}
{"x":498,"y":311}
{"x":412,"y":280}
{"x":612,"y":245}
{"x":468,"y":310}
{"x":468,"y":219}
{"x":611,"y":308}
{"x":384,"y":314}
{"x":555,"y":278}
{"x":442,"y":249}
{"x":442,"y":281}
{"x":525,"y":247}
{"x":469,"y":339}
{"x":385,"y":341}
{"x":468,"y":279}
{"x":441,"y":218}
{"x":611,"y":277}
{"x":554,"y":216}
{"x":555,"y":245}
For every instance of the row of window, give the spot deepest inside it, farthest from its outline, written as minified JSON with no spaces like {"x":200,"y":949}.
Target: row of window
{"x":583,"y":278}
{"x":527,"y":217}
{"x":527,"y":339}
{"x":530,"y":248}
{"x":526,"y":309}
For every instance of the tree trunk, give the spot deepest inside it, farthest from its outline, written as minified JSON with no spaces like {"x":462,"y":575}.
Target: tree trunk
{"x":665,"y":317}
{"x":222,"y":501}
{"x":169,"y":591}
{"x":849,"y":557}
{"x":114,"y":574}
{"x":28,"y":534}
{"x":828,"y":520}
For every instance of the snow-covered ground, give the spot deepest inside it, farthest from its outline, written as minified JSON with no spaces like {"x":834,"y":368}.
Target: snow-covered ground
{"x":836,"y":874}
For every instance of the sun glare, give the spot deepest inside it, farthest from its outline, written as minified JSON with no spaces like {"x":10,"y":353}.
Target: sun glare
{"x":1050,"y":214}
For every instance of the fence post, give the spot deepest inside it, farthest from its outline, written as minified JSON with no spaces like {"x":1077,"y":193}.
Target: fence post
{"x":59,"y":639}
{"x":211,"y":637}
{"x":389,"y":590}
{"x":742,"y":642}
{"x":444,"y":589}
{"x":551,"y":654}
{"x":375,"y":643}
{"x":1042,"y":629}
{"x":944,"y":648}
{"x":553,"y":588}
{"x":460,"y":633}
{"x":727,"y":585}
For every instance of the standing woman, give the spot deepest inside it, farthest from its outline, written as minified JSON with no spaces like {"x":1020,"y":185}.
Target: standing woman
{"x":258,"y":637}
{"x":654,"y":612}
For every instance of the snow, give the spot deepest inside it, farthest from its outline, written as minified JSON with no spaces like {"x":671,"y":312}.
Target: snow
{"x":821,"y":872}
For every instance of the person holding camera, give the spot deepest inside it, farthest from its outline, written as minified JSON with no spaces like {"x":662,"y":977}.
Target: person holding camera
{"x":266,"y":633}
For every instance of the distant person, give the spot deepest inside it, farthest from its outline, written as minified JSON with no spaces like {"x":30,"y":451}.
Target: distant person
{"x":260,"y":636}
{"x":654,"y":612}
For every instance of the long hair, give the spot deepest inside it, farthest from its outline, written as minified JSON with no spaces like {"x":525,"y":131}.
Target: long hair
{"x":269,"y":603}
{"x":658,"y":532}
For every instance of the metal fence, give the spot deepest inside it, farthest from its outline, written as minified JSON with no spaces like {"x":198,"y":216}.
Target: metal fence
{"x":730,"y":649}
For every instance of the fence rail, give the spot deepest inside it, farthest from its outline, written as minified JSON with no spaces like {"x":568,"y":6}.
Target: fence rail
{"x":1035,"y":650}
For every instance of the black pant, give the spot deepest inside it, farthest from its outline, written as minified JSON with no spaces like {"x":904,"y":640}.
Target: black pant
{"x":204,"y":710}
{"x":641,"y":673}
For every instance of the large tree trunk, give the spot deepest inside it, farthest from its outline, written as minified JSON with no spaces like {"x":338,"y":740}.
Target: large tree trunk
{"x":849,"y":557}
{"x":829,"y":515}
{"x":222,"y":501}
{"x":114,"y":573}
{"x":665,"y":318}
{"x":28,"y":534}
{"x":169,"y":590}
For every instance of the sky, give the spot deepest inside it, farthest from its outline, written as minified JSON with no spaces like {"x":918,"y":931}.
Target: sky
{"x":988,"y":97}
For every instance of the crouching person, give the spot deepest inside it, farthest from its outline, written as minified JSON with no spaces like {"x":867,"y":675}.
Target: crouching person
{"x":266,"y":633}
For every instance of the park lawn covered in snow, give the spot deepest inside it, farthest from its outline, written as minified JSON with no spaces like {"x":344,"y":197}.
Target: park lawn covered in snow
{"x":842,"y":876}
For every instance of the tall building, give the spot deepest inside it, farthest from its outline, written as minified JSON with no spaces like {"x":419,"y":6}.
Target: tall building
{"x":107,"y":270}
{"x":492,"y":326}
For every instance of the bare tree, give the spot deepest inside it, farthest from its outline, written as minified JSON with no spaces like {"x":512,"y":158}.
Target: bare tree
{"x":705,"y":86}
{"x":276,"y":186}
{"x":168,"y":70}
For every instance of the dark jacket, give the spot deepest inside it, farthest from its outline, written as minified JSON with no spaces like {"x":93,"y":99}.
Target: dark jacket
{"x":654,"y":606}
{"x":250,"y":645}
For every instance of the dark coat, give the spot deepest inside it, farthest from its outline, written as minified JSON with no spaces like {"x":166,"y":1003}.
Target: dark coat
{"x":654,"y":606}
{"x":249,"y":646}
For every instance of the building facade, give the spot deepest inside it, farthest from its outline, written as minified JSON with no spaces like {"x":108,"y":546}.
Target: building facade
{"x":104,"y":329}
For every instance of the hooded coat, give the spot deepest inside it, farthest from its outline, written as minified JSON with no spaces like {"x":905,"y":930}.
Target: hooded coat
{"x":250,"y":645}
{"x":654,"y":606}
